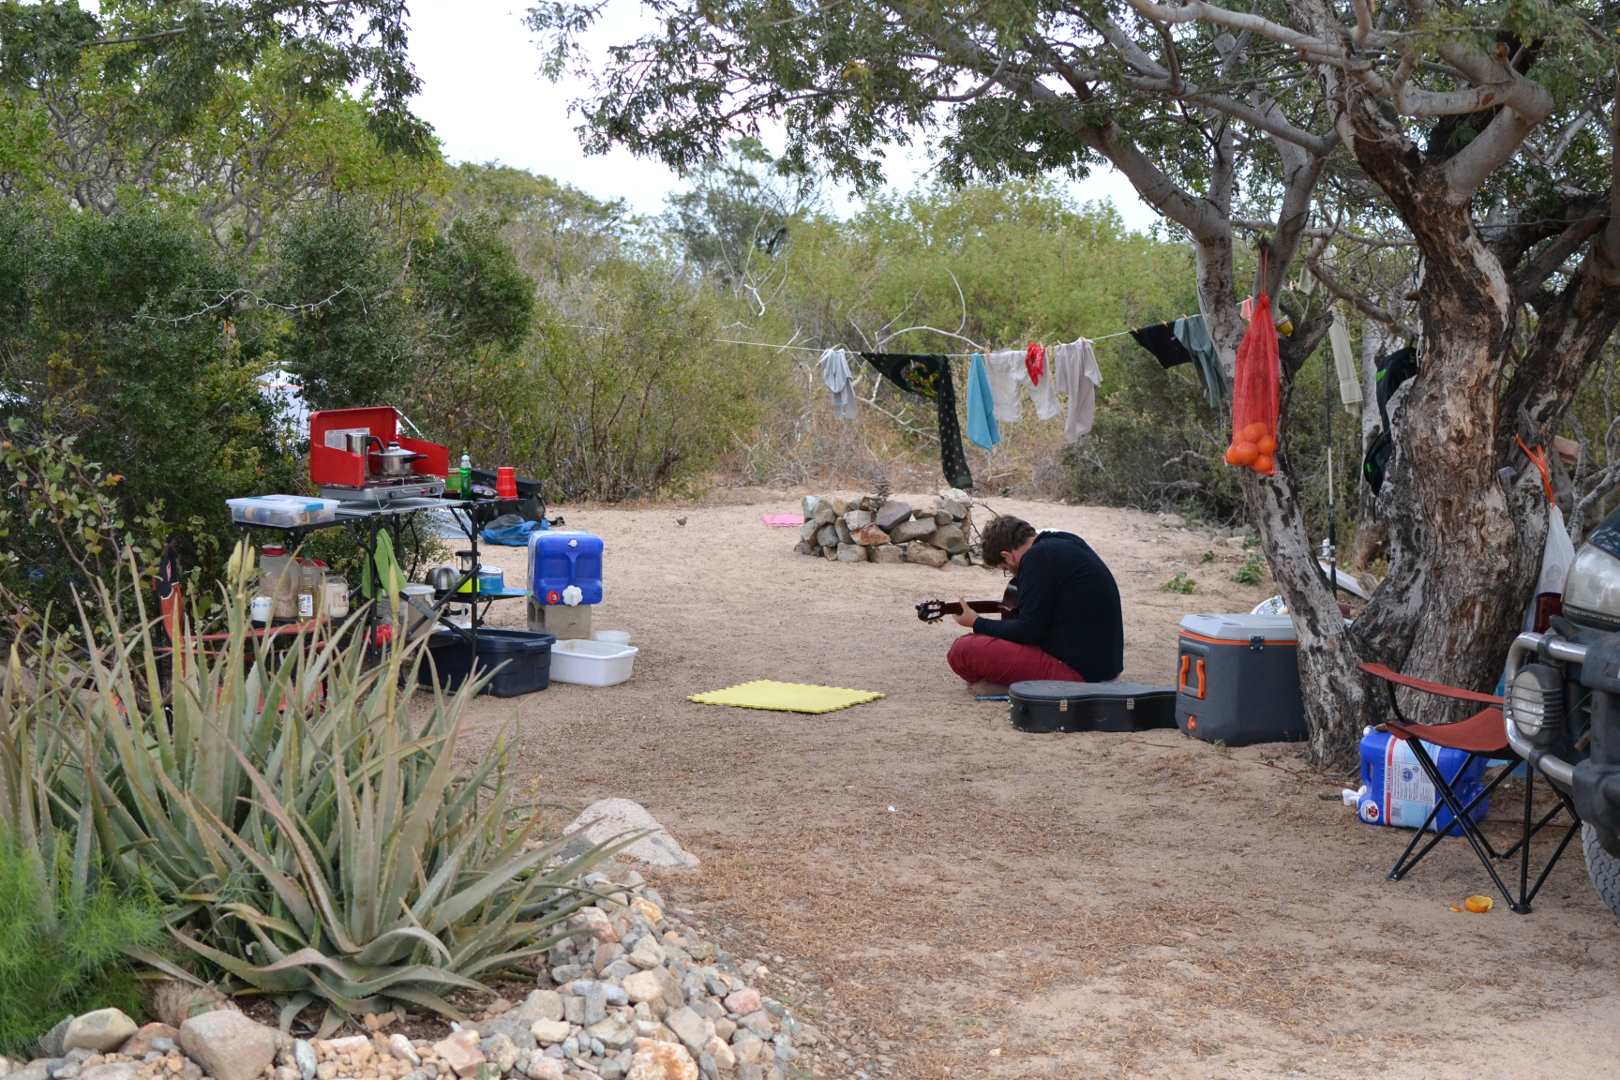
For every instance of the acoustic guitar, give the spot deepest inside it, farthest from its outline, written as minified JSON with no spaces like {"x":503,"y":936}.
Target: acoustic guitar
{"x":1006,"y":607}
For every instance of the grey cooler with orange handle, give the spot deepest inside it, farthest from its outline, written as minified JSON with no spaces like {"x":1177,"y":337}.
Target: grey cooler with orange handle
{"x":1237,"y":679}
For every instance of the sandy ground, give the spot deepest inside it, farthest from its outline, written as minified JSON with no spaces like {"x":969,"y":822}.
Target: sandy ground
{"x":966,"y":900}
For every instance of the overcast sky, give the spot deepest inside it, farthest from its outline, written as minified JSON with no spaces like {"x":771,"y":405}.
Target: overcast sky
{"x":484,"y":96}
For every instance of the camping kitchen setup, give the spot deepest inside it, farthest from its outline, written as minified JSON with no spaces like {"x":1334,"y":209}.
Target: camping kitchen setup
{"x":383,"y":484}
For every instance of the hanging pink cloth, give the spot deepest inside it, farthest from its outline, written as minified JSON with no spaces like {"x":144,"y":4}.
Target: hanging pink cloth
{"x":1246,"y":309}
{"x":1035,"y":363}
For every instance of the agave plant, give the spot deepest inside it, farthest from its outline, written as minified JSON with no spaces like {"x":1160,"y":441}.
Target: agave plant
{"x":314,"y":832}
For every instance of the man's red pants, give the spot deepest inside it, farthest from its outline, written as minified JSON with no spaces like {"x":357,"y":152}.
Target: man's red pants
{"x":979,"y":656}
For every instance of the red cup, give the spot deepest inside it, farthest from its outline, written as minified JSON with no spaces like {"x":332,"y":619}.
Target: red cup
{"x":506,"y":483}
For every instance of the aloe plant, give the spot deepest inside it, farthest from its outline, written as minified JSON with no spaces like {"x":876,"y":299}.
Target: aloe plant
{"x":312,"y":828}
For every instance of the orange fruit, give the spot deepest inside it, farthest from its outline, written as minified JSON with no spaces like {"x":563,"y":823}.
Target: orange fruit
{"x":1263,"y":464}
{"x":1478,"y":904}
{"x":1267,"y":444}
{"x":1254,"y":431}
{"x":1244,"y":453}
{"x":1230,"y":459}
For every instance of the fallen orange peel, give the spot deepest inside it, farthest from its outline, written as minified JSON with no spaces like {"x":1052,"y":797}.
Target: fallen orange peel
{"x":1478,"y":904}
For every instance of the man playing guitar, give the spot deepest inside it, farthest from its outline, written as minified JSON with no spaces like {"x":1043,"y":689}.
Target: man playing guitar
{"x":1068,"y":625}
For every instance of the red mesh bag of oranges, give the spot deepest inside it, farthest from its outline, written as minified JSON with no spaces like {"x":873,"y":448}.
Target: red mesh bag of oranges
{"x":1256,"y":387}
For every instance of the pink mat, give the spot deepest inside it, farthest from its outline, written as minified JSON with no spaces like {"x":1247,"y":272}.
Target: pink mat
{"x":782,"y":521}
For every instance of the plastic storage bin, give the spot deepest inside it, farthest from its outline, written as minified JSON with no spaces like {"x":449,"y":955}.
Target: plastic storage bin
{"x":282,"y":511}
{"x":1396,"y":790}
{"x":561,"y":559}
{"x":521,"y":660}
{"x":592,"y":663}
{"x":1237,"y":679}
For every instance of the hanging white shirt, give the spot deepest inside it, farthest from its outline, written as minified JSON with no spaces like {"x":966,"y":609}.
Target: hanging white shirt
{"x":835,"y":373}
{"x":1006,"y":371}
{"x":1044,"y":393}
{"x":1073,"y":368}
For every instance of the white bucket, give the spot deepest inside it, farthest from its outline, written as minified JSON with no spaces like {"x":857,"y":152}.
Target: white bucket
{"x":418,"y":599}
{"x":612,"y":637}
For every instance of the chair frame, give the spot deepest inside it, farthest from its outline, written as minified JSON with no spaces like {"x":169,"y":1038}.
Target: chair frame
{"x":1483,"y":848}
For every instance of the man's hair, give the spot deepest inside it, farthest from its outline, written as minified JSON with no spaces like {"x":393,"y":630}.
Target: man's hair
{"x":1003,"y":534}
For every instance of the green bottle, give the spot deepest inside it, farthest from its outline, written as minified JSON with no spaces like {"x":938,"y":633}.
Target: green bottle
{"x":466,"y":476}
{"x":452,"y":483}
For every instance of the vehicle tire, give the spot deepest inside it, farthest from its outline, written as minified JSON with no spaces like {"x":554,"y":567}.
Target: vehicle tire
{"x":1602,"y":868}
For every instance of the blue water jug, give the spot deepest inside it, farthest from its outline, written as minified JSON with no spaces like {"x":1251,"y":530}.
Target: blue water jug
{"x":1398,"y":792}
{"x":560,"y":559}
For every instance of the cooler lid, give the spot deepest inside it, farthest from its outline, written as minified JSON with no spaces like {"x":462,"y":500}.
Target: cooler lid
{"x":1241,"y":628}
{"x":1055,"y":690}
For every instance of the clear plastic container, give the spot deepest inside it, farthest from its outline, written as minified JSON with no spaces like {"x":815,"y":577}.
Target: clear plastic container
{"x":280,"y":582}
{"x":282,"y":511}
{"x":337,"y":596}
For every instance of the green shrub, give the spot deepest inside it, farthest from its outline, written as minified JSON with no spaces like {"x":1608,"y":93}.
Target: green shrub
{"x":62,"y":944}
{"x":310,"y":824}
{"x":1181,"y":583}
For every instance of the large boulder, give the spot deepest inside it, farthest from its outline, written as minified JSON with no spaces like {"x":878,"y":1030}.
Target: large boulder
{"x":604,"y":820}
{"x":907,"y":531}
{"x":656,"y":1060}
{"x":871,"y":536}
{"x":949,"y":538}
{"x":925,"y":554}
{"x":888,"y":553}
{"x":856,"y":520}
{"x":228,"y":1045}
{"x":891,"y":514}
{"x":851,"y":552}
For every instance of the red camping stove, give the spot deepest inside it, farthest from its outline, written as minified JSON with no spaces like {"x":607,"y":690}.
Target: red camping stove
{"x":358,"y":455}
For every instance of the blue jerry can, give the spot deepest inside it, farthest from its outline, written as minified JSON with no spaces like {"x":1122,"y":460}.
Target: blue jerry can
{"x":1398,"y":792}
{"x":560,"y":559}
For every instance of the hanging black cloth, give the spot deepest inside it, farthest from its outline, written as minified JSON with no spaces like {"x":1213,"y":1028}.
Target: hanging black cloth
{"x":1160,"y":340}
{"x":929,"y":375}
{"x":166,"y":590}
{"x":1393,"y":371}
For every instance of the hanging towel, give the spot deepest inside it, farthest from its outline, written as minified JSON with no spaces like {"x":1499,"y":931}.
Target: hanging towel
{"x":1160,"y":340}
{"x":1075,"y":371}
{"x":835,"y":373}
{"x":1344,"y":363}
{"x":1042,"y":388}
{"x":1194,"y":335}
{"x":929,"y":375}
{"x":1246,"y":309}
{"x":981,"y":406}
{"x":1007,"y":373}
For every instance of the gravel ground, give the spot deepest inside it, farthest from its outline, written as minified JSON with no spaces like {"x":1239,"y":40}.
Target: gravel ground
{"x":966,"y":900}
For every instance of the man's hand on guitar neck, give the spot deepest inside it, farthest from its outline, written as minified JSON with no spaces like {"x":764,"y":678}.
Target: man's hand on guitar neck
{"x":966,"y":616}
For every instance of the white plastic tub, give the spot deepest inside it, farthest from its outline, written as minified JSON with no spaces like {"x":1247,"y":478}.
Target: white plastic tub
{"x":612,"y":637}
{"x":591,"y":663}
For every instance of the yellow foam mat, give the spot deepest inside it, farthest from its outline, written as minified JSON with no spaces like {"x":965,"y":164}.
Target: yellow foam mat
{"x":785,"y":697}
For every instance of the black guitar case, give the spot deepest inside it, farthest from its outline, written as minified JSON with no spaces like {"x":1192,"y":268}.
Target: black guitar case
{"x":1046,"y":706}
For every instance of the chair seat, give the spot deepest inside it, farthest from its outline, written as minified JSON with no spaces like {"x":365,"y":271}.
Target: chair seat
{"x":1483,"y":733}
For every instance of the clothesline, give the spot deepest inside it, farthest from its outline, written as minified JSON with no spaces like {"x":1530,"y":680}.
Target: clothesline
{"x":813,"y":349}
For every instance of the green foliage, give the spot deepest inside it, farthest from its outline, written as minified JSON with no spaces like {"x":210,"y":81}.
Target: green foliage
{"x":1181,"y":583}
{"x":64,"y":944}
{"x":1253,"y":570}
{"x":317,"y":835}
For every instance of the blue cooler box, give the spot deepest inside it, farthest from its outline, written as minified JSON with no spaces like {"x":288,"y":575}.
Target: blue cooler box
{"x":560,"y":559}
{"x":1399,"y":793}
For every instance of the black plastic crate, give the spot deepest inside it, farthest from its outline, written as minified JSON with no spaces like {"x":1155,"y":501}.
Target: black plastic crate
{"x":521,"y":660}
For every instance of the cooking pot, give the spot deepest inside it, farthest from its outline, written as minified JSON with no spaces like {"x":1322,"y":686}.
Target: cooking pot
{"x":396,"y":461}
{"x":442,"y":578}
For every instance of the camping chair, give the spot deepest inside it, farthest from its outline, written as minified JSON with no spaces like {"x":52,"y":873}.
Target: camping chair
{"x":1481,"y":736}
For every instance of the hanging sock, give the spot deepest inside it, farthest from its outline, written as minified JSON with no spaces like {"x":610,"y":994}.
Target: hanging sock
{"x":1160,"y":340}
{"x":1007,"y":374}
{"x":1075,"y":371}
{"x":981,"y":412}
{"x":1344,"y":363}
{"x":1035,"y":363}
{"x":835,"y":373}
{"x":1194,"y":336}
{"x":929,"y":375}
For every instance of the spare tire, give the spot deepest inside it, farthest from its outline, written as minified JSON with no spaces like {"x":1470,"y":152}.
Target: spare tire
{"x":1602,"y":868}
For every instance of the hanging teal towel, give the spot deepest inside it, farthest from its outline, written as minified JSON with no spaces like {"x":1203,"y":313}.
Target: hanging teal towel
{"x":981,"y":406}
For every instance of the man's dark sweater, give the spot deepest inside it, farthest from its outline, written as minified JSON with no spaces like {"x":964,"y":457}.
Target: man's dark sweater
{"x":1068,"y":605}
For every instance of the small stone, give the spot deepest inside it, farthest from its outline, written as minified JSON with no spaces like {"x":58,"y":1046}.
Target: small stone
{"x":888,"y":553}
{"x":647,"y":954}
{"x":838,"y":505}
{"x":500,"y":1051}
{"x":891,"y":514}
{"x":401,"y":1048}
{"x":50,"y":1043}
{"x":595,"y":1005}
{"x":759,"y":1023}
{"x":825,"y":514}
{"x":721,"y":1053}
{"x":949,"y":538}
{"x":285,"y":1072}
{"x":803,"y":548}
{"x":871,"y":536}
{"x":117,"y":1070}
{"x":539,"y":1005}
{"x":656,"y":1060}
{"x":138,"y":1044}
{"x":960,"y":560}
{"x":99,"y":1031}
{"x":851,"y":552}
{"x":830,"y":552}
{"x":744,"y":1001}
{"x":574,"y":1009}
{"x":545,"y":1068}
{"x":907,"y":531}
{"x":746,"y":1046}
{"x":856,"y":520}
{"x":327,"y":1070}
{"x":827,"y":536}
{"x":304,"y":1057}
{"x":644,"y":985}
{"x":1173,"y":521}
{"x":227,"y":1045}
{"x":844,"y":535}
{"x":925,"y":554}
{"x":459,"y":1050}
{"x":611,"y":1034}
{"x":688,"y":1027}
{"x":68,"y":1070}
{"x":550,"y":1032}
